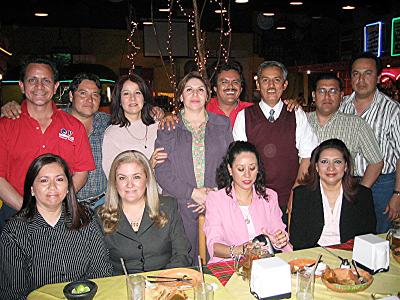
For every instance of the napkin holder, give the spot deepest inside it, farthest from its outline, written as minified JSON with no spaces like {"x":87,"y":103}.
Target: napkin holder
{"x":270,"y":279}
{"x":371,"y":253}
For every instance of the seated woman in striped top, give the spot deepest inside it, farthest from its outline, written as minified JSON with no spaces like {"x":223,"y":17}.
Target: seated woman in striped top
{"x":52,"y":238}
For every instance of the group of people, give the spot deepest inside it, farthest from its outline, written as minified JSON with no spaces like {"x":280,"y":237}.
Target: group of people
{"x":82,"y":189}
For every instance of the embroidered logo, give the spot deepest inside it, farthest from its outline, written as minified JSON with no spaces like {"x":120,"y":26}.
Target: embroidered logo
{"x":66,"y":134}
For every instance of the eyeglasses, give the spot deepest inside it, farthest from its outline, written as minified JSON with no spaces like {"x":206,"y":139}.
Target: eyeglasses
{"x":331,"y":91}
{"x":234,"y":82}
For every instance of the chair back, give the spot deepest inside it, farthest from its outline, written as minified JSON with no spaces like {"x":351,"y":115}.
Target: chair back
{"x":202,"y":240}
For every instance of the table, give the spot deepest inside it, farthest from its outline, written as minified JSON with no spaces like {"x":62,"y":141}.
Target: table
{"x":115,"y":288}
{"x":384,"y":283}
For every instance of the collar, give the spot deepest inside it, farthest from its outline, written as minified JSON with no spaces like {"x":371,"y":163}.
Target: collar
{"x":266,"y":108}
{"x":125,"y":229}
{"x":38,"y":222}
{"x":24,"y":108}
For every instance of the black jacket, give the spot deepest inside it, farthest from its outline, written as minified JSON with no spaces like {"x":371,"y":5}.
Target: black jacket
{"x":307,"y":220}
{"x":151,"y":248}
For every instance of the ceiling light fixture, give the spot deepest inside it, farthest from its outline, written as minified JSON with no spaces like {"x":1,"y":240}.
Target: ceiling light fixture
{"x":296,"y":3}
{"x":348,"y":7}
{"x":147,"y":23}
{"x":41,"y":14}
{"x":219,"y":11}
{"x":5,"y":51}
{"x":241,"y":1}
{"x":163,"y":9}
{"x":269,"y":14}
{"x":281,"y":27}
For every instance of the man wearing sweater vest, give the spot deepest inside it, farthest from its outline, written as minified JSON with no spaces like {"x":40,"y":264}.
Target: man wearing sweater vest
{"x":283,"y":139}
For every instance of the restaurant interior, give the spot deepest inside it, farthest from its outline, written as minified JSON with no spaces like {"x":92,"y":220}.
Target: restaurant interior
{"x":159,"y":41}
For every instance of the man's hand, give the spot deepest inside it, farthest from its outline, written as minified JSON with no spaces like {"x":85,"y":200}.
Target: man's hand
{"x":169,"y":122}
{"x":157,"y":113}
{"x":158,"y":157}
{"x":11,"y":110}
{"x":291,"y":104}
{"x":393,"y":208}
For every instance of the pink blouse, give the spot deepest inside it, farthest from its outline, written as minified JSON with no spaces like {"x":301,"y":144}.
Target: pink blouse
{"x":225,"y":223}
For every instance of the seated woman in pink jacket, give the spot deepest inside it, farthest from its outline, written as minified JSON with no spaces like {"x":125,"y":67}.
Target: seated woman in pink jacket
{"x":243,"y":207}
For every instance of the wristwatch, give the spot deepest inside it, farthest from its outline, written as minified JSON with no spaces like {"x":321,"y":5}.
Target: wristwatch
{"x":396,"y":193}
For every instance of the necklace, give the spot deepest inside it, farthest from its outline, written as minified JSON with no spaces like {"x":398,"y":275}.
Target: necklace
{"x":246,"y":214}
{"x":139,"y":139}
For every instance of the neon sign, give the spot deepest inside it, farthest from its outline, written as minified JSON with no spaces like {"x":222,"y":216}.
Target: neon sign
{"x":373,"y":38}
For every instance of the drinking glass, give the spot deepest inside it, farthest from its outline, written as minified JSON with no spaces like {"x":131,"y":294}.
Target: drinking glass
{"x":393,"y":235}
{"x":136,"y":287}
{"x":305,"y":285}
{"x":203,"y":291}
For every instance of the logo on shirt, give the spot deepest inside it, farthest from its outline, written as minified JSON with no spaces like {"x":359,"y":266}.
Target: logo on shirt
{"x":66,"y":134}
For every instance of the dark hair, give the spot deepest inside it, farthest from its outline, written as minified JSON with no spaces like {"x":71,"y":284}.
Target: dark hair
{"x":367,"y":55}
{"x":224,"y":179}
{"x":38,"y":60}
{"x":231,"y":65}
{"x":270,"y":64}
{"x":327,"y":76}
{"x":78,"y":78}
{"x":77,"y":216}
{"x":311,"y":179}
{"x":191,"y":75}
{"x":117,"y":112}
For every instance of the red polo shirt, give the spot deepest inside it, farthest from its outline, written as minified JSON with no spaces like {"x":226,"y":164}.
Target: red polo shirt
{"x":213,"y":107}
{"x":22,"y":140}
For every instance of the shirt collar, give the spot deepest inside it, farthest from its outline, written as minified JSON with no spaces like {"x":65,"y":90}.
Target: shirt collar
{"x":266,"y":108}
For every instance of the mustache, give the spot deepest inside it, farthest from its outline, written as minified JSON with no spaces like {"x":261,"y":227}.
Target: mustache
{"x":231,"y":89}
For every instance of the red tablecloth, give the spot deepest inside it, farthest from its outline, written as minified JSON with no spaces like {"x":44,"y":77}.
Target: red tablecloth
{"x":222,"y":270}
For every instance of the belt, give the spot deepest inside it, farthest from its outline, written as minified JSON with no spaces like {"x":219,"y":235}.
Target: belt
{"x":92,"y":200}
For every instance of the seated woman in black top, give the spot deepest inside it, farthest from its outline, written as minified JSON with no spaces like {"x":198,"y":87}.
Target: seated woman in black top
{"x":330,"y":207}
{"x":140,"y":226}
{"x":52,"y":238}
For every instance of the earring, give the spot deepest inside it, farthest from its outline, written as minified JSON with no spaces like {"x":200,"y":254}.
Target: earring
{"x":181,"y":99}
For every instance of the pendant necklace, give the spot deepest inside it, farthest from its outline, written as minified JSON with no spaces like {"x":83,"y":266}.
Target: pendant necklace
{"x":246,"y":214}
{"x":139,"y":139}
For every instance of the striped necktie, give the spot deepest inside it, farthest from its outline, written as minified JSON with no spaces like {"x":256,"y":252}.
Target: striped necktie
{"x":271,"y":118}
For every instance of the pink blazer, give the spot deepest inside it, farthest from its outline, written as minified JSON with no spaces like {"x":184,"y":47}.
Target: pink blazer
{"x":225,"y":223}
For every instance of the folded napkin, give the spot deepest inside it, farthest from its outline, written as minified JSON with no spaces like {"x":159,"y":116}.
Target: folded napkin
{"x":222,"y":270}
{"x":345,"y":246}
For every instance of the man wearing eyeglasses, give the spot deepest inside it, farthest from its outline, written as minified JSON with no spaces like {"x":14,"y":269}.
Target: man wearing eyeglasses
{"x":328,"y":122}
{"x":383,"y":114}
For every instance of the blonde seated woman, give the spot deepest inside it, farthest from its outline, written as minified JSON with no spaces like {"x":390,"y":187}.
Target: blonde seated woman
{"x":140,"y":226}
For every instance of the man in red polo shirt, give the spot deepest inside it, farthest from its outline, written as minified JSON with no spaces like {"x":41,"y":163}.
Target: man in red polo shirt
{"x":228,"y":84}
{"x":41,"y":128}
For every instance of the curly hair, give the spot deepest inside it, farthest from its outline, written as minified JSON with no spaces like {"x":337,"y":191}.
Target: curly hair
{"x":225,"y":180}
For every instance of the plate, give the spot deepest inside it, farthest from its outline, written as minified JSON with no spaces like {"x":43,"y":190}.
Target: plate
{"x":300,"y":263}
{"x":180,"y":272}
{"x":343,"y":274}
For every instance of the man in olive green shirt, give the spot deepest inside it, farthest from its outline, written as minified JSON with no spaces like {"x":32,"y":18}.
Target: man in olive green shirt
{"x":354,"y":131}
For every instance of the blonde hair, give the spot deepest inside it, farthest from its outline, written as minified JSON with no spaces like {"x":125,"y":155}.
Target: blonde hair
{"x":110,"y":212}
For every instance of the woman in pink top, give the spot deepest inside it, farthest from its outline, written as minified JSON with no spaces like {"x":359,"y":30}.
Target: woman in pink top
{"x":243,"y":207}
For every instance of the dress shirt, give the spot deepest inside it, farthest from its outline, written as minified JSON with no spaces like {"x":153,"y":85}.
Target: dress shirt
{"x":331,"y":232}
{"x":383,"y":115}
{"x":354,"y":131}
{"x":33,"y":253}
{"x":306,"y":140}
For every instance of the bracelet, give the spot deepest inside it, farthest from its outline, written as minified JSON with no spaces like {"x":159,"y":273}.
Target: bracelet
{"x":396,"y":193}
{"x":231,"y":247}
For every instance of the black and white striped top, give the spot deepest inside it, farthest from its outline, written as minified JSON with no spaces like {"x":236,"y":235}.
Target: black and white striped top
{"x":33,"y":253}
{"x":383,"y":115}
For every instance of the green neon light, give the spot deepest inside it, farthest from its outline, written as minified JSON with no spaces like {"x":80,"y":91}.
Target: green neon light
{"x":394,"y":20}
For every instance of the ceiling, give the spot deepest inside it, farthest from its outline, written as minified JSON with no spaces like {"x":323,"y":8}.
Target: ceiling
{"x":117,"y":13}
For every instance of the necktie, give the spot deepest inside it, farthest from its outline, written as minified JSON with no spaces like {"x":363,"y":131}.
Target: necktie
{"x":271,"y":118}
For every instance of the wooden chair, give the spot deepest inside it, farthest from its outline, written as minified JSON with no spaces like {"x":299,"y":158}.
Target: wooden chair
{"x":202,"y":240}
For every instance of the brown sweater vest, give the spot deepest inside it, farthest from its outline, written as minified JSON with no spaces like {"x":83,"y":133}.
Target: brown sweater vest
{"x":276,"y":144}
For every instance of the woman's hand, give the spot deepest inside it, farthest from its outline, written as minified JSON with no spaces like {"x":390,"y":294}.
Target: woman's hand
{"x":157,"y":113}
{"x":199,"y":195}
{"x":158,"y":157}
{"x":197,"y":208}
{"x":279,"y":239}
